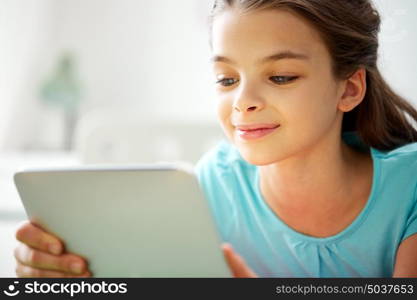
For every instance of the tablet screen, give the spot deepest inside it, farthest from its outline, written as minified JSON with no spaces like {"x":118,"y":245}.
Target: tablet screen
{"x":143,"y":221}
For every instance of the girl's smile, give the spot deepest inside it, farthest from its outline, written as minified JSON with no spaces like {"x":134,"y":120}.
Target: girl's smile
{"x":259,"y":131}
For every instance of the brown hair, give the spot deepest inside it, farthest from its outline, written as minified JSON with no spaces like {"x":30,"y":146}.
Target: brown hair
{"x":350,"y":30}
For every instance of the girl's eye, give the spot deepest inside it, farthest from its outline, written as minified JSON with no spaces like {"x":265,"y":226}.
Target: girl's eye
{"x":283,"y":79}
{"x":276,"y":79}
{"x":227,"y":81}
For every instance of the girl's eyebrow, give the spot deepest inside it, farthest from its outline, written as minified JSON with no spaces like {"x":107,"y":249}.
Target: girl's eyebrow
{"x":287,"y":54}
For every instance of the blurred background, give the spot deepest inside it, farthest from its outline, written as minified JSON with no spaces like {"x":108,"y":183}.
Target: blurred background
{"x":122,"y":82}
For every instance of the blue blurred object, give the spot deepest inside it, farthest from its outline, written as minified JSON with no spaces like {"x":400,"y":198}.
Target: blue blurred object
{"x":63,"y":90}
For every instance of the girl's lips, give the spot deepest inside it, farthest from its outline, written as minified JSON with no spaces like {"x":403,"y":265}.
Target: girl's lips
{"x":256,"y":133}
{"x":255,"y":126}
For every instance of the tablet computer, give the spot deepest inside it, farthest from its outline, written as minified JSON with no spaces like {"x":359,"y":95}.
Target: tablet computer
{"x":149,"y":220}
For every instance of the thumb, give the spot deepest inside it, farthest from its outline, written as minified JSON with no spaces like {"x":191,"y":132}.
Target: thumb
{"x":236,"y":263}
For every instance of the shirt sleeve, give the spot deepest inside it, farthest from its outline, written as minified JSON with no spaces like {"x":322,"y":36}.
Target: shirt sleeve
{"x":213,"y":180}
{"x":411,"y":225}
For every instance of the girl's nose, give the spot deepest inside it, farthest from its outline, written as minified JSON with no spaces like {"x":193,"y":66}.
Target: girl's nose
{"x":251,"y":108}
{"x":248,"y":100}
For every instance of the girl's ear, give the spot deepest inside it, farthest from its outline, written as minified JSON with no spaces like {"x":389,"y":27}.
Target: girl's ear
{"x":354,"y":89}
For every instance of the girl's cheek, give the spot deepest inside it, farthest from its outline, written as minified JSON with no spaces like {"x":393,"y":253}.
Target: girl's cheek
{"x":223,"y":108}
{"x":224,"y":118}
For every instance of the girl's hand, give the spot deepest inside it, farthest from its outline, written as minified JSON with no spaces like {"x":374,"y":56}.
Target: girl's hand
{"x":41,"y":254}
{"x":236,"y":263}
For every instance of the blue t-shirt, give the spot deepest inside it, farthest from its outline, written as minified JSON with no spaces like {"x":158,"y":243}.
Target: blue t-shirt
{"x":366,"y":248}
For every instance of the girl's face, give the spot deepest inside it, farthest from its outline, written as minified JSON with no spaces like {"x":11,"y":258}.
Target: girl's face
{"x":272,"y":67}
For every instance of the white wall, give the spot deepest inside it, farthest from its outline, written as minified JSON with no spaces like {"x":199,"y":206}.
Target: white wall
{"x":148,"y":56}
{"x":398,"y":46}
{"x":151,"y":55}
{"x":25,"y":27}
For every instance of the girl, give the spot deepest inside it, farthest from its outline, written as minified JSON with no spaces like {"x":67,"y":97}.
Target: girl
{"x":319,"y":176}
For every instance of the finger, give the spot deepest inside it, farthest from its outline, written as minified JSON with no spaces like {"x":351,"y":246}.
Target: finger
{"x":236,"y":263}
{"x":67,"y":262}
{"x":27,"y":271}
{"x":37,"y":238}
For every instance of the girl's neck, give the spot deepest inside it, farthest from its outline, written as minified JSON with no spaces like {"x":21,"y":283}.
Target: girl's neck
{"x":317,"y":178}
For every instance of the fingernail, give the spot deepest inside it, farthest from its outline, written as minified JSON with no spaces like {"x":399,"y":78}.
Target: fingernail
{"x":54,"y":249}
{"x":227,"y":246}
{"x":76,"y":267}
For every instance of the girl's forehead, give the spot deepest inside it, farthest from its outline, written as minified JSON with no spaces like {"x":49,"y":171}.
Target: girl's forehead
{"x":261,"y":33}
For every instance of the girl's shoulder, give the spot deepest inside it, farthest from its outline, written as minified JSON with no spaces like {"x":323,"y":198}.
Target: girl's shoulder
{"x":399,"y":163}
{"x":402,"y":154}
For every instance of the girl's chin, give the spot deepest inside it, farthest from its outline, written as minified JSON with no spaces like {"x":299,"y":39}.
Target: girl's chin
{"x":258,"y":162}
{"x":257,"y":158}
